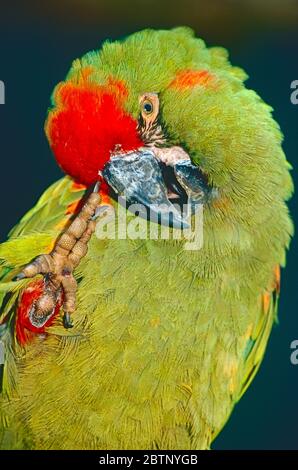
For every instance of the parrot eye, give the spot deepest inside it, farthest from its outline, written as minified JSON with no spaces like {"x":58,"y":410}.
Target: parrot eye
{"x":147,"y":107}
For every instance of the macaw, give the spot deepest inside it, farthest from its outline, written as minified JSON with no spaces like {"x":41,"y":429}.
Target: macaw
{"x":119,"y":342}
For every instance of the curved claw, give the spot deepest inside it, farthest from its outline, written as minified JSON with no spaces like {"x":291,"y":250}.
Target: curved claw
{"x":67,"y":321}
{"x":103,"y":211}
{"x":19,"y":277}
{"x":96,"y":187}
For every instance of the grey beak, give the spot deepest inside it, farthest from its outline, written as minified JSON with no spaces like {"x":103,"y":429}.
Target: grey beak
{"x":137,"y":178}
{"x":194,"y":184}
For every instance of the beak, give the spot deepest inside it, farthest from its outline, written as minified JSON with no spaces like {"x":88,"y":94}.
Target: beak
{"x":138,"y":178}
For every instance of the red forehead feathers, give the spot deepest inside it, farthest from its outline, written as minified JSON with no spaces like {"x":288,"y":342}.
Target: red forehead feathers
{"x":88,"y":122}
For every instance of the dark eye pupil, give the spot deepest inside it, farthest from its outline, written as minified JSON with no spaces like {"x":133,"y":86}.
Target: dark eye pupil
{"x":148,"y":107}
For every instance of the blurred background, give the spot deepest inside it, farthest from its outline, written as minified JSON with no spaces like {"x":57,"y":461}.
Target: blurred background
{"x":39,"y":40}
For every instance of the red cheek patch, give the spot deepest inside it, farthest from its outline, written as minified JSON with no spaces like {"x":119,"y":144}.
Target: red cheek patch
{"x":191,"y":78}
{"x":87,"y":123}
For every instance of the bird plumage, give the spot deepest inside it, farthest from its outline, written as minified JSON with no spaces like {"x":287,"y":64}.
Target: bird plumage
{"x":165,"y":340}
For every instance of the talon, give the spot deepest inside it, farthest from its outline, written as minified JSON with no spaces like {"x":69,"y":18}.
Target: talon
{"x":102,"y":211}
{"x":19,"y":277}
{"x":97,"y":186}
{"x":67,"y":321}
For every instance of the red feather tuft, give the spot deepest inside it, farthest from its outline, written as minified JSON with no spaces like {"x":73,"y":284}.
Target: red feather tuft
{"x":87,"y":124}
{"x":25,"y":331}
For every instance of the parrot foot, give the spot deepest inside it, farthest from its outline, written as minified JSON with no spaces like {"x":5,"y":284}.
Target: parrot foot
{"x":57,"y":267}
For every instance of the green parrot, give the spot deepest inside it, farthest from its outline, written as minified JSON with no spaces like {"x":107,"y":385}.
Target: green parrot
{"x":111,"y":341}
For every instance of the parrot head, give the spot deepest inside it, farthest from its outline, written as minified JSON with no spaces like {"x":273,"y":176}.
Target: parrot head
{"x":163,"y":120}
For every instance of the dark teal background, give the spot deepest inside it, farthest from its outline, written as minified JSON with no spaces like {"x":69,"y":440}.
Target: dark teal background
{"x":37,"y":44}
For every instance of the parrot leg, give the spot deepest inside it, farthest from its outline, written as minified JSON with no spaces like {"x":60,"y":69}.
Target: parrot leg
{"x":57,"y":267}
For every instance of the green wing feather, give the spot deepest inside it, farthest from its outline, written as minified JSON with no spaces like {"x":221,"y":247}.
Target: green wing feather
{"x":254,"y":350}
{"x":257,"y":343}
